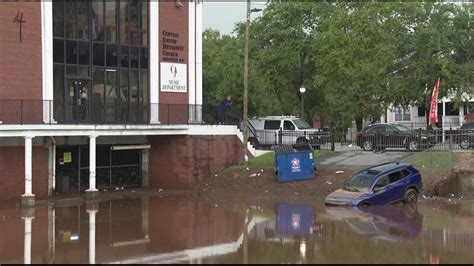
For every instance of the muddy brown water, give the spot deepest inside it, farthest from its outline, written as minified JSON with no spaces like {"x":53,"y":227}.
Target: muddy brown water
{"x":461,"y":185}
{"x":190,"y":230}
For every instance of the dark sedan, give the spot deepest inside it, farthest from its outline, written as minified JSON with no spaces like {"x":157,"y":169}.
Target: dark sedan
{"x":381,"y":136}
{"x":466,"y":134}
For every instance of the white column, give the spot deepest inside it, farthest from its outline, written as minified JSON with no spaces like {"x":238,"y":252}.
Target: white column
{"x":92,"y":160}
{"x":199,"y":59}
{"x":92,"y":214}
{"x":28,"y":167}
{"x":27,"y":243}
{"x":47,"y":59}
{"x":154,"y":61}
{"x":192,"y":62}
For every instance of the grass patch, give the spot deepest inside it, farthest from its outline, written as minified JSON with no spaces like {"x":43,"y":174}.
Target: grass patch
{"x":434,"y":159}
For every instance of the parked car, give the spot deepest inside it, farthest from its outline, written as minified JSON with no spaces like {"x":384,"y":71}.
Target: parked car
{"x":382,"y":184}
{"x":393,"y":136}
{"x":272,"y":130}
{"x":390,"y":223}
{"x":466,"y":133}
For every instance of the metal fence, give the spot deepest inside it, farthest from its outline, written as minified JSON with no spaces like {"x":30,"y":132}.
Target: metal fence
{"x":337,"y":140}
{"x":25,"y":112}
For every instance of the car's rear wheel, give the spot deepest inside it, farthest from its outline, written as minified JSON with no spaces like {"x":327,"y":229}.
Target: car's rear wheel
{"x":464,"y":144}
{"x":411,"y":196}
{"x":413,"y":145}
{"x":368,"y":145}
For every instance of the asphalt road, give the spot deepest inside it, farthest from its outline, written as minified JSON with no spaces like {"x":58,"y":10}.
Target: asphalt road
{"x":361,"y":158}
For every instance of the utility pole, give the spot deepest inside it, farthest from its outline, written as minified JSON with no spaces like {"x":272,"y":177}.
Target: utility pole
{"x":246,"y":77}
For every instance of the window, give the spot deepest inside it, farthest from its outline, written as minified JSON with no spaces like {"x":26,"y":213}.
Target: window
{"x":421,"y":111}
{"x":87,"y":46}
{"x":395,"y":176}
{"x":287,"y":125}
{"x":301,"y":124}
{"x":382,"y":182}
{"x":359,"y":183}
{"x":451,"y":110}
{"x":376,"y":129}
{"x":402,"y":114}
{"x":272,"y":125}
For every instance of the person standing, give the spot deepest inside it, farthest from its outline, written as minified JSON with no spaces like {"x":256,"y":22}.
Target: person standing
{"x":225,"y":105}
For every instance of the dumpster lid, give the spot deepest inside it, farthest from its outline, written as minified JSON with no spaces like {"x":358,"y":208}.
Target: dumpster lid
{"x":278,"y":149}
{"x":283,"y":149}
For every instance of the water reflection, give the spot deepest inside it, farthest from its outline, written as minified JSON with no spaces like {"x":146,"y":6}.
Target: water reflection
{"x":392,"y":223}
{"x":189,"y":230}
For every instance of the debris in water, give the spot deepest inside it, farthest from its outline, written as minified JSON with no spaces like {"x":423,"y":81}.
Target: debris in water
{"x":253,"y":175}
{"x":339,"y":172}
{"x":328,"y":182}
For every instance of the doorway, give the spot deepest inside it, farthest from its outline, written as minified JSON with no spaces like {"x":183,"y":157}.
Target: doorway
{"x":77,"y":103}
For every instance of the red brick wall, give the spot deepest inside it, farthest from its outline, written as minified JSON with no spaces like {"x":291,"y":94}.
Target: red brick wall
{"x":175,"y":20}
{"x":182,"y":161}
{"x":12,"y":172}
{"x":20,"y":62}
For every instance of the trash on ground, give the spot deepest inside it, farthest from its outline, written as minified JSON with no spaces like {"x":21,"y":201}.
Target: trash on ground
{"x":216,"y":206}
{"x":215,"y":175}
{"x":328,"y":182}
{"x":339,"y":172}
{"x":248,"y":169}
{"x":253,"y":175}
{"x":160,"y":190}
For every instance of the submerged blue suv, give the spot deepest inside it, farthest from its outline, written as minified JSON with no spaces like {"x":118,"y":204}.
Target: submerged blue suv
{"x":382,"y":184}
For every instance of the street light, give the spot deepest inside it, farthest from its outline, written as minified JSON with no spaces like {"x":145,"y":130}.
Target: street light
{"x":246,"y":72}
{"x":302,"y":91}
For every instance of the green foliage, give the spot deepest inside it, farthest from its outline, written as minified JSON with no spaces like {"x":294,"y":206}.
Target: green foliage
{"x":354,"y":58}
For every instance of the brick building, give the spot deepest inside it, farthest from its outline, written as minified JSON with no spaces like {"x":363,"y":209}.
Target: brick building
{"x":104,"y":95}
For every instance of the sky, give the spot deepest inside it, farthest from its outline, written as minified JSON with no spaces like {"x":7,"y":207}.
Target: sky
{"x":223,"y":15}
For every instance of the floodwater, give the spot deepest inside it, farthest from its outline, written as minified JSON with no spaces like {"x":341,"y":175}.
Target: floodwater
{"x":190,"y":230}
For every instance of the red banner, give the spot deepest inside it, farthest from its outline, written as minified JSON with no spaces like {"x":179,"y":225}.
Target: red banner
{"x":434,"y":104}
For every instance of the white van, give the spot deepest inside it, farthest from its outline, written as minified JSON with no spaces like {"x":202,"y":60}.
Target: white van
{"x":272,"y":130}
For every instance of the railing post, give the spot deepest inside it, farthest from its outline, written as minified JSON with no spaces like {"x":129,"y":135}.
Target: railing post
{"x":168,"y":114}
{"x":21,"y":112}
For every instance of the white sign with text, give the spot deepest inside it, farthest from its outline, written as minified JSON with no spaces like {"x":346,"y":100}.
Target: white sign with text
{"x":173,"y":77}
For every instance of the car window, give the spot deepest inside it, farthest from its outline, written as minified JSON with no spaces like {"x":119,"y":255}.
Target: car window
{"x":406,"y":173}
{"x":395,"y":176}
{"x":288,"y":125}
{"x":375,"y":129}
{"x":382,"y":182}
{"x":402,"y":128}
{"x":390,"y":129}
{"x":359,"y":183}
{"x":272,"y":124}
{"x":301,"y":124}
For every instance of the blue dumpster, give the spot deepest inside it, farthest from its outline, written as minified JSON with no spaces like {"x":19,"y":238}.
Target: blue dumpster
{"x":294,"y":162}
{"x":295,"y":219}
